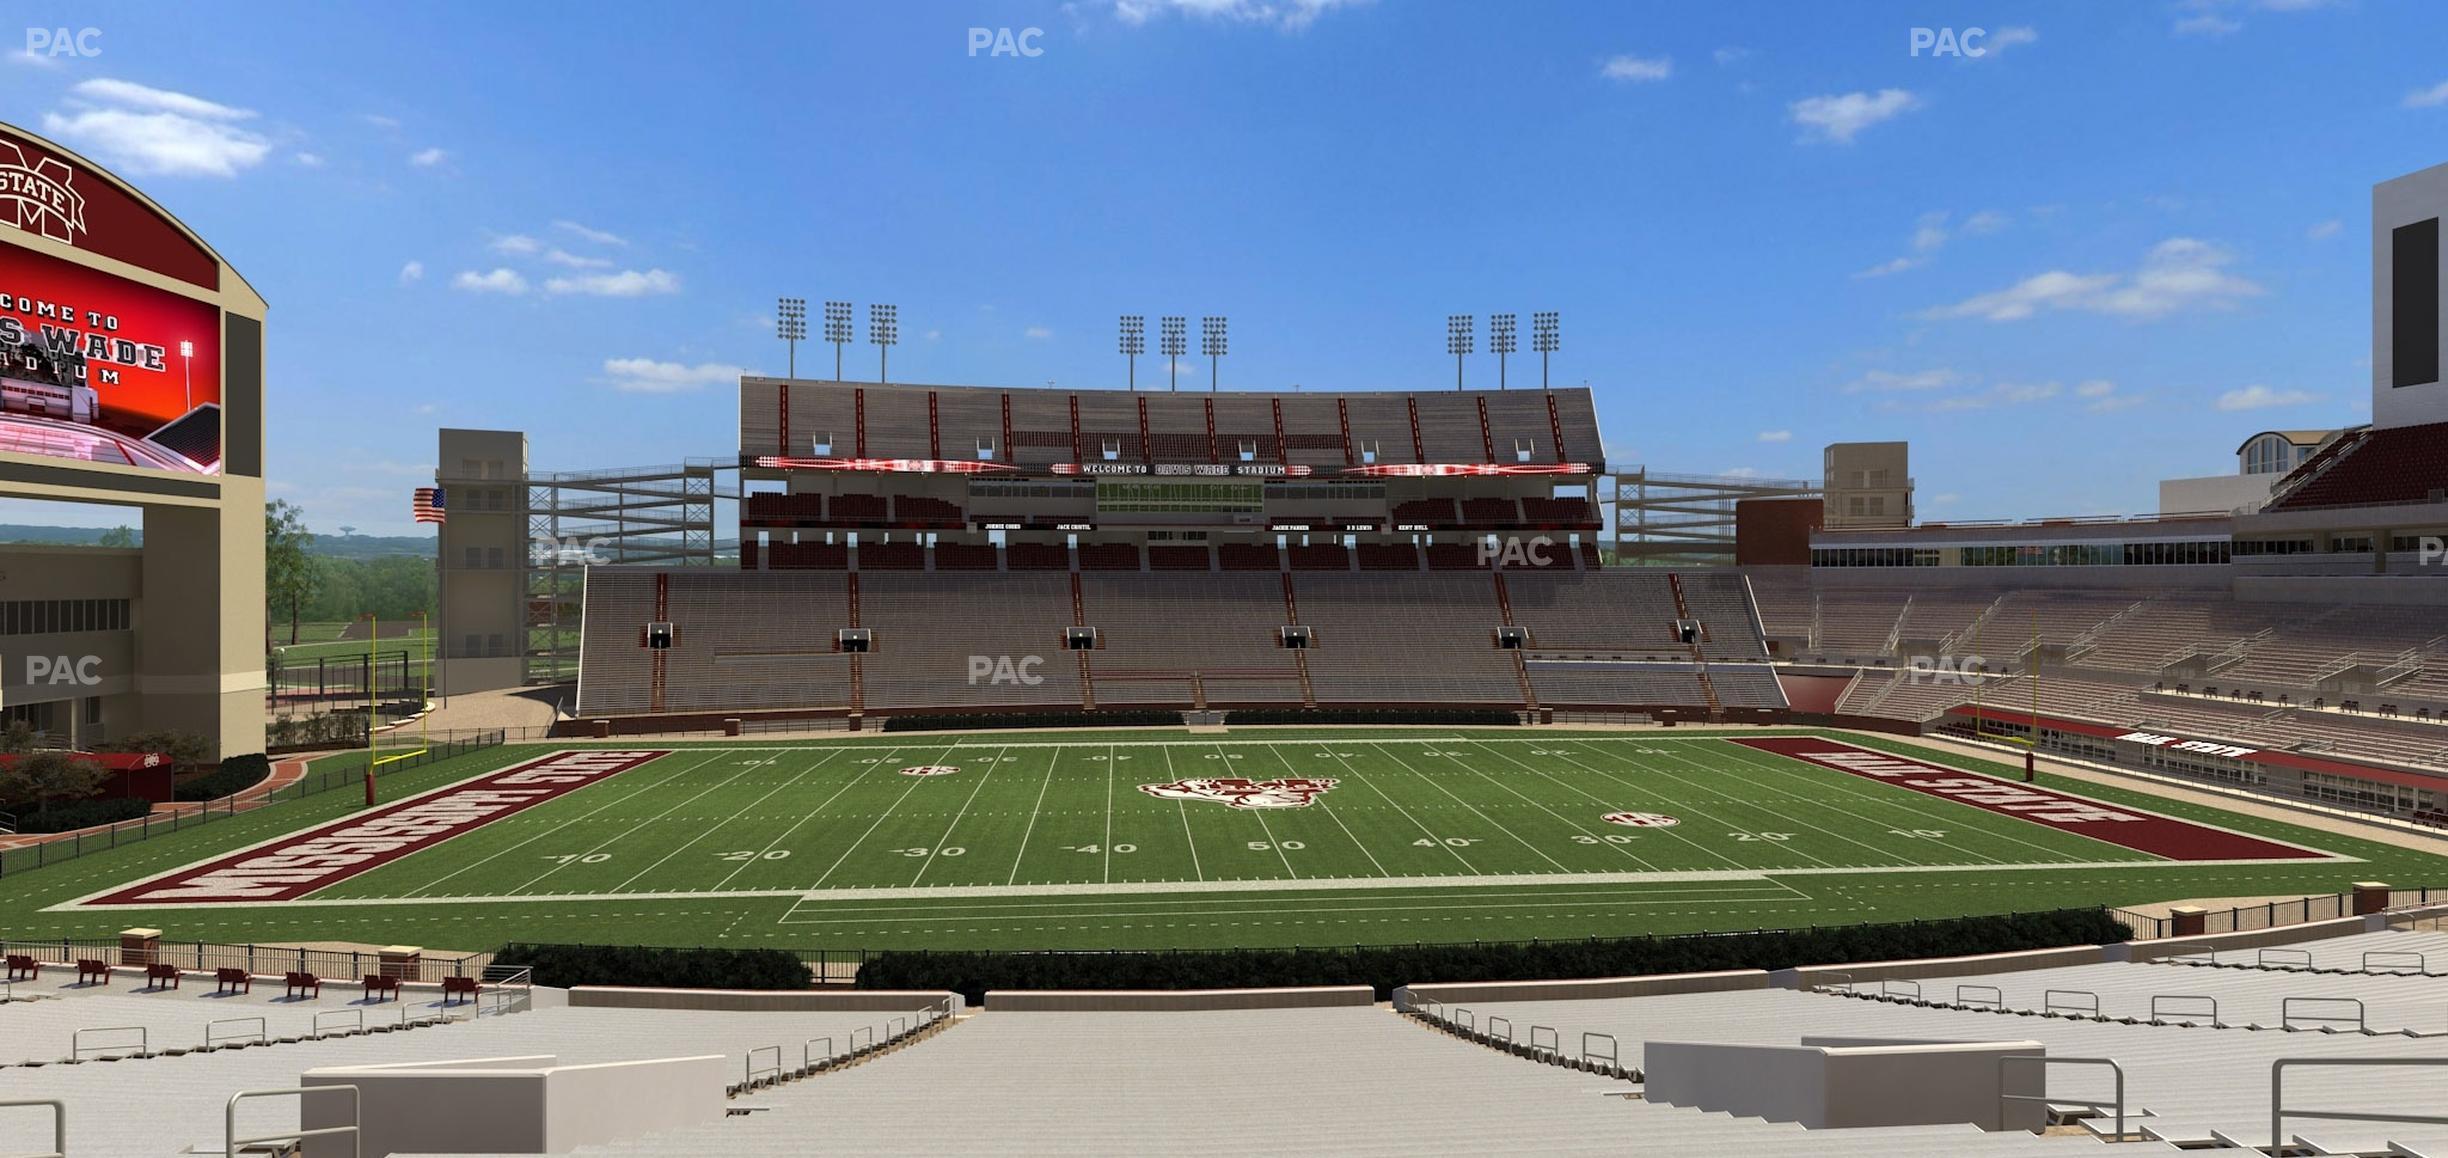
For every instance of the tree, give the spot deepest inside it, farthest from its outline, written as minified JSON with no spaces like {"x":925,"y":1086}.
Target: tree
{"x":43,"y":777}
{"x":290,"y":577}
{"x":119,"y":536}
{"x":19,"y":738}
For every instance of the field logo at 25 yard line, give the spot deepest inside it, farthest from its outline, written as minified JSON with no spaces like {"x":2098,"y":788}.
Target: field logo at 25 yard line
{"x":2140,"y":831}
{"x":1641,"y":819}
{"x":300,"y":863}
{"x":1241,"y":792}
{"x":930,"y":770}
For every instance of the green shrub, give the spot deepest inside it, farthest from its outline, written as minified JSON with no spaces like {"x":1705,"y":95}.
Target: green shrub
{"x":74,"y":814}
{"x":235,"y":775}
{"x":652,"y":967}
{"x":1464,"y":717}
{"x":980,"y":721}
{"x":1388,"y":966}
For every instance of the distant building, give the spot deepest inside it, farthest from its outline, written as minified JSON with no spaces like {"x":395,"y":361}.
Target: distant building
{"x":2261,"y":461}
{"x":1868,"y":484}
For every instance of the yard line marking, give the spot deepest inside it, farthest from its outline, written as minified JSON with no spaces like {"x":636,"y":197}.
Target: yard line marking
{"x":648,"y":822}
{"x":881,"y":817}
{"x":565,"y":822}
{"x":1541,"y":806}
{"x":1697,"y":810}
{"x":1187,"y":835}
{"x":810,"y":814}
{"x":1109,"y":774}
{"x":1491,"y":821}
{"x":1603,"y":802}
{"x":1747,"y":758}
{"x":936,"y":849}
{"x":1330,"y":815}
{"x":1765,"y":789}
{"x":1425,"y":831}
{"x":1034,"y":813}
{"x":709,"y":830}
{"x":1263,"y":827}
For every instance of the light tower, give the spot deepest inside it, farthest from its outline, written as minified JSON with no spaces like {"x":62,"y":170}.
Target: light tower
{"x":883,"y":329}
{"x":1500,"y":342}
{"x":1134,"y":343}
{"x":1544,"y":339}
{"x":1211,"y":343}
{"x":1458,"y":342}
{"x":1173,"y":344}
{"x":790,"y":325}
{"x":837,"y":331}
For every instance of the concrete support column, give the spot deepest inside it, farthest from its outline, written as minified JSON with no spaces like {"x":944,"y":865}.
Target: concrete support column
{"x":199,"y":662}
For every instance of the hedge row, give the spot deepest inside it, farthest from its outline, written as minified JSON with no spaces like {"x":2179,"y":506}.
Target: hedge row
{"x":235,"y":775}
{"x":650,"y":967}
{"x":1467,"y":717}
{"x":1385,"y":967}
{"x":971,"y":722}
{"x":67,"y":815}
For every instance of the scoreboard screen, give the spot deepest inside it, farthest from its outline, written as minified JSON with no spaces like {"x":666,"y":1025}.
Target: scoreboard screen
{"x":1142,"y":496}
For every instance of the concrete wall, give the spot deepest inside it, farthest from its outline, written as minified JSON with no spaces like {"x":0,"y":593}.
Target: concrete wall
{"x":1084,"y":1000}
{"x":2403,"y":201}
{"x":482,"y":549}
{"x":510,"y":1105}
{"x":1464,"y":993}
{"x":1815,"y":975}
{"x":1847,"y":1082}
{"x":2221,"y":492}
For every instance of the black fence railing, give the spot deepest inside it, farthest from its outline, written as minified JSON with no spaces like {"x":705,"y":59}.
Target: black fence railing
{"x":205,"y":956}
{"x":2275,"y":914}
{"x":70,"y":846}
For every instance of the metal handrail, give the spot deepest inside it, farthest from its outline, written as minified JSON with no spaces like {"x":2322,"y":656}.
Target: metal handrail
{"x":2050,"y":1004}
{"x":1887,"y":988}
{"x":1997,"y":996}
{"x":210,"y":1040}
{"x":2289,"y":958}
{"x":1614,"y":1048}
{"x":1465,"y":1019}
{"x":2045,"y":1061}
{"x":230,"y":1141}
{"x":2156,"y":998}
{"x":749,"y":1069}
{"x":2422,"y":964}
{"x":1508,"y":1027}
{"x":869,"y":1030}
{"x":59,"y":1123}
{"x":807,"y":1057}
{"x":1555,"y":1042}
{"x":2287,"y":1017}
{"x":1848,"y":980}
{"x":2278,"y":1110}
{"x":897,"y":1026}
{"x":77,"y":1047}
{"x":357,"y":1014}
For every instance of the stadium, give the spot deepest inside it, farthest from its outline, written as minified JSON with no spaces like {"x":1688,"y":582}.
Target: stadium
{"x":974,"y":768}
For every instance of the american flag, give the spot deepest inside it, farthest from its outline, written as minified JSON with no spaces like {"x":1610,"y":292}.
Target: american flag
{"x":428,"y":505}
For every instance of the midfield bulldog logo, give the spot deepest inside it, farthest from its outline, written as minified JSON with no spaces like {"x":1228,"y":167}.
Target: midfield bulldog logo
{"x":1641,"y":819}
{"x":38,"y":198}
{"x":1240,"y":792}
{"x":930,"y":770}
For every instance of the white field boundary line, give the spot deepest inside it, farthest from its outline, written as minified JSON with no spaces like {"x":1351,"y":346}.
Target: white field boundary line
{"x":1255,"y":886}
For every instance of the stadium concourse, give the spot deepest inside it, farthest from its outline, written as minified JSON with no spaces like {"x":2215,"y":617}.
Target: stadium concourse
{"x":2155,"y":1045}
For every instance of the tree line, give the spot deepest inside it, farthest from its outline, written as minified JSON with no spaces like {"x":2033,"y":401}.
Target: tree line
{"x":303,"y":587}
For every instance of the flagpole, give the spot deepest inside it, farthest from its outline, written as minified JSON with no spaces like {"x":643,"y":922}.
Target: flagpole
{"x":373,"y":641}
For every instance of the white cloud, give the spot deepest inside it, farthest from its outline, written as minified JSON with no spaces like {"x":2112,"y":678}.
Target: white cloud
{"x":380,"y":121}
{"x":153,"y":131}
{"x":2259,"y":397}
{"x":1776,"y":436}
{"x":2207,"y":24}
{"x":628,"y":283}
{"x":516,"y":243}
{"x":559,"y":256}
{"x":2101,"y":396}
{"x":1886,"y":381}
{"x":597,"y":236}
{"x":1743,"y":472}
{"x":2428,"y":98}
{"x":1930,"y":234}
{"x":1037,"y":333}
{"x":413,"y":271}
{"x":1628,"y":67}
{"x":648,"y":376}
{"x":2178,"y":274}
{"x":310,"y":160}
{"x":934,"y":335}
{"x":2001,"y":39}
{"x":500,"y":281}
{"x":1890,"y":266}
{"x":1985,"y":222}
{"x":1287,"y":15}
{"x":1837,"y":119}
{"x":1730,"y":54}
{"x":2323,"y":229}
{"x":428,"y":157}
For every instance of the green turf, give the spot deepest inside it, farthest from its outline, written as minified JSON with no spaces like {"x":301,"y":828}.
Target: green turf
{"x":1043,"y":840}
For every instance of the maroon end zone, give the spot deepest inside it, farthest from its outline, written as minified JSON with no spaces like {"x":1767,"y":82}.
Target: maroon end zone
{"x":302,"y":862}
{"x":2140,"y":831}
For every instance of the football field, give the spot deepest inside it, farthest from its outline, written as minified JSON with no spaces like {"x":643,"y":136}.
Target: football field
{"x":1140,"y":839}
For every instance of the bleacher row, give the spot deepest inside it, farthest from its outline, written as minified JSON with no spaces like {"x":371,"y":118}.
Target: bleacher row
{"x":910,"y":555}
{"x":768,"y":640}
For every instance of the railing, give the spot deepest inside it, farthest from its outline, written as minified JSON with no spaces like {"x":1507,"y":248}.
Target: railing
{"x":807,"y":1057}
{"x":2282,"y":959}
{"x":353,"y":1018}
{"x":2118,"y":1103}
{"x":2397,"y":963}
{"x":1900,"y":988}
{"x":231,"y":1142}
{"x":8,"y":823}
{"x":749,"y":1069}
{"x":2049,"y":1002}
{"x":2287,"y":1017}
{"x":507,"y":989}
{"x":59,"y":1124}
{"x":1507,"y":1022}
{"x":259,"y":960}
{"x":2278,"y":1107}
{"x":1613,"y":1054}
{"x":77,"y":1046}
{"x":1555,"y":1041}
{"x":1995,"y":1000}
{"x":213,"y":1035}
{"x":2159,"y":1010}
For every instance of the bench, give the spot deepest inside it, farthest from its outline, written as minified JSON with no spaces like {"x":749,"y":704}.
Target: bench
{"x":157,"y":973}
{"x":301,"y":983}
{"x":227,"y":979}
{"x":376,"y":983}
{"x":23,"y":968}
{"x":458,"y":987}
{"x":89,"y":969}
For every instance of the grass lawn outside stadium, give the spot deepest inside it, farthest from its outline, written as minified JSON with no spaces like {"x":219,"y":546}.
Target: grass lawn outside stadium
{"x":1054,"y":840}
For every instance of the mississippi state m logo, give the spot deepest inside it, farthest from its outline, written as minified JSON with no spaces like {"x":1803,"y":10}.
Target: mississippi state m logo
{"x":39,"y":198}
{"x":1239,"y":792}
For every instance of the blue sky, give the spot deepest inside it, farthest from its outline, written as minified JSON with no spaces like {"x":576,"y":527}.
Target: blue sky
{"x":2099,"y":255}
